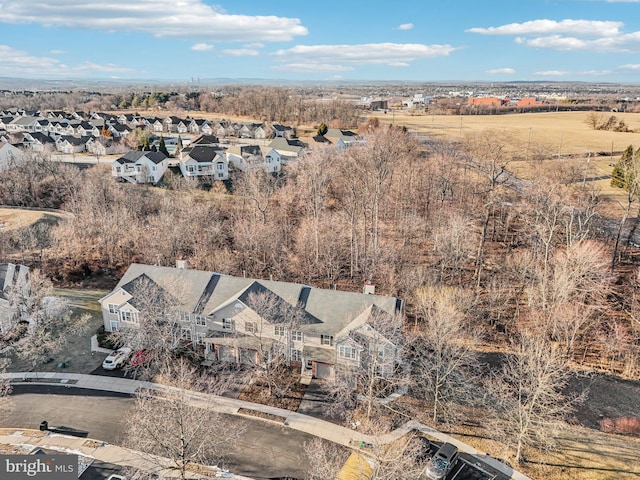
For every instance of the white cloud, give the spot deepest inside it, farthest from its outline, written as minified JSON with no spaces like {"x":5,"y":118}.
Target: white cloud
{"x":312,"y":67}
{"x":588,"y":28}
{"x":254,"y":45}
{"x":57,"y":52}
{"x":501,"y":71}
{"x":241,"y":52}
{"x":185,"y":19}
{"x":202,"y":47}
{"x":405,"y":26}
{"x":373,"y":53}
{"x":17,"y":63}
{"x":569,"y":35}
{"x":551,"y":73}
{"x":596,"y":73}
{"x":630,"y":66}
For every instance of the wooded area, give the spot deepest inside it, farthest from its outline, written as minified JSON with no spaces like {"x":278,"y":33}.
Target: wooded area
{"x":486,"y":263}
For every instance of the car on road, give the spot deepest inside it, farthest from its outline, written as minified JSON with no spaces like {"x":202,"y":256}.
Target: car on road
{"x":442,"y":462}
{"x":116,"y":359}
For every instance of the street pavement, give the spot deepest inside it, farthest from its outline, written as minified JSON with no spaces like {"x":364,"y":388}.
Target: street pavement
{"x":293,"y":420}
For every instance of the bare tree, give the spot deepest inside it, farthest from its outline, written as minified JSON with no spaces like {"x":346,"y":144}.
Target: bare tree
{"x":324,"y":459}
{"x":175,"y":423}
{"x":273,"y":322}
{"x":443,"y":345}
{"x":51,"y":322}
{"x":527,"y":396}
{"x":374,"y":368}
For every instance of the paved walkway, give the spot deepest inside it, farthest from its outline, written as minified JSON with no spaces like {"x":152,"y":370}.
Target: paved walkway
{"x":297,"y":421}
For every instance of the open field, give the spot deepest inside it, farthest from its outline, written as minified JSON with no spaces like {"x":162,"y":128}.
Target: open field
{"x":15,"y":218}
{"x":567,"y":144}
{"x":563,"y":132}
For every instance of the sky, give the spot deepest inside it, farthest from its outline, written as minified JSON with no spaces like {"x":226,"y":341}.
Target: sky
{"x":326,"y":40}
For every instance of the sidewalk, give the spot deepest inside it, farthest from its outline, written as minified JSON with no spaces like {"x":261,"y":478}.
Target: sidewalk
{"x":294,"y":420}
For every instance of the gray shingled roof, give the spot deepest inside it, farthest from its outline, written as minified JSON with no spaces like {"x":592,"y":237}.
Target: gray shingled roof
{"x":328,"y":311}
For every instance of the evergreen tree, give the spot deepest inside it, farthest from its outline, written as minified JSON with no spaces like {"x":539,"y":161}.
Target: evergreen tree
{"x":163,"y":148}
{"x":323,"y":129}
{"x":622,"y":174}
{"x":179,"y":145}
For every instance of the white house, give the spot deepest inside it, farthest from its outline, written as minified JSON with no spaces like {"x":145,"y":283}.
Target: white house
{"x":245,"y":157}
{"x":204,"y":160}
{"x":9,"y":155}
{"x":140,"y":167}
{"x":220,"y":314}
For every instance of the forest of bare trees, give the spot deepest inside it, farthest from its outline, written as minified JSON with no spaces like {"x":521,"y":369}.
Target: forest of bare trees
{"x":479,"y":262}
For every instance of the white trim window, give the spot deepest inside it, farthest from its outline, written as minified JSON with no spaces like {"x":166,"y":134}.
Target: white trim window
{"x":201,"y":320}
{"x":128,"y":316}
{"x":113,"y":308}
{"x":250,"y":327}
{"x":185,"y":317}
{"x":326,"y":340}
{"x":200,"y":338}
{"x":296,"y":355}
{"x":297,"y":336}
{"x":227,"y":324}
{"x":280,"y":331}
{"x":347,"y":351}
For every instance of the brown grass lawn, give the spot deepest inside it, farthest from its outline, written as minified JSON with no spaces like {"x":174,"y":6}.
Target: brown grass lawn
{"x":13,"y":218}
{"x":564,"y":132}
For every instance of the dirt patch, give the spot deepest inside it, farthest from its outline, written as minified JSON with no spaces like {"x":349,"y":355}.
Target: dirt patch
{"x":16,"y":218}
{"x":258,"y":393}
{"x":606,"y":397}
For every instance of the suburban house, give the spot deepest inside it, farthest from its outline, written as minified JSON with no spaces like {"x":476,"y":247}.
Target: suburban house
{"x":223,"y":316}
{"x":244,"y":157}
{"x":104,"y":146}
{"x":9,"y":155}
{"x":338,"y":136}
{"x":14,"y":286}
{"x":204,"y":160}
{"x":70,"y":144}
{"x":140,"y":167}
{"x":287,"y":148}
{"x":38,"y":141}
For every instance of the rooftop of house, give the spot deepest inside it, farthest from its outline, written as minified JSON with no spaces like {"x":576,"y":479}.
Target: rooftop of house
{"x":326,"y":312}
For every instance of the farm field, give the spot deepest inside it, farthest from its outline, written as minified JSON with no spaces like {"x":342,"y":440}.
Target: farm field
{"x":551,"y":141}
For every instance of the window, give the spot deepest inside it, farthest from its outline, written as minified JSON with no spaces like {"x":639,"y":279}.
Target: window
{"x":347,"y":351}
{"x":191,"y":168}
{"x":220,"y":166}
{"x":186,"y":333}
{"x":326,"y":340}
{"x":296,"y":355}
{"x":250,"y":327}
{"x":113,"y":308}
{"x":201,"y":320}
{"x":184,"y":317}
{"x":127,"y":316}
{"x":200,"y":338}
{"x":280,"y":331}
{"x":297,"y":336}
{"x":227,"y":324}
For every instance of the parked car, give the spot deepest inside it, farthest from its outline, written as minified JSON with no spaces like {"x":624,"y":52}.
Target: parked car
{"x":139,"y":357}
{"x":442,"y":462}
{"x":116,"y":359}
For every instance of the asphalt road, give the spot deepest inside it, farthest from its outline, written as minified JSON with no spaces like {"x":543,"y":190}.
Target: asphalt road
{"x":266,"y":451}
